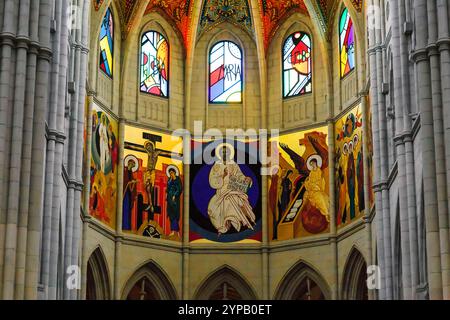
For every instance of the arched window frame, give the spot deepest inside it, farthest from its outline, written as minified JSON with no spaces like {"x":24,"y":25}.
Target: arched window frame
{"x":286,"y":69}
{"x":107,"y":37}
{"x":210,"y":74}
{"x":167,"y":65}
{"x":341,"y":37}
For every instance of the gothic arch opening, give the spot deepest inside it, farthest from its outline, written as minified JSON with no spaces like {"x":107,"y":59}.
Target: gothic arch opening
{"x":149,"y":282}
{"x":302,"y":282}
{"x":97,"y":278}
{"x":225,"y":284}
{"x":354,"y":286}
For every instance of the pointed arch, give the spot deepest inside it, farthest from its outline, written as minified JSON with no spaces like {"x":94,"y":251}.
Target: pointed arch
{"x":98,"y":281}
{"x":354,"y":286}
{"x":225,"y":283}
{"x":149,"y":282}
{"x":303,"y":282}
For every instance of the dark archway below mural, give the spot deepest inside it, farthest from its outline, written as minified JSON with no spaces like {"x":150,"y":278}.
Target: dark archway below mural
{"x":302,"y":282}
{"x":149,"y":282}
{"x":225,"y":284}
{"x":354,"y":286}
{"x":97,"y":280}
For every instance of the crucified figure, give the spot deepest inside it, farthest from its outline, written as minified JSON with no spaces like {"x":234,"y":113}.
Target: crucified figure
{"x":153,"y":155}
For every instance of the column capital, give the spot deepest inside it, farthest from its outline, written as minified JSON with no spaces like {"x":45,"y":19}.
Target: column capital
{"x":433,"y":49}
{"x":402,"y":138}
{"x":443,"y":44}
{"x":419,"y":55}
{"x":45,"y":53}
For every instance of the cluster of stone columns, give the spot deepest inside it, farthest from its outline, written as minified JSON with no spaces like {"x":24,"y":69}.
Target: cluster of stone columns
{"x":432,"y":70}
{"x":421,"y":75}
{"x":383,"y":235}
{"x":38,"y":62}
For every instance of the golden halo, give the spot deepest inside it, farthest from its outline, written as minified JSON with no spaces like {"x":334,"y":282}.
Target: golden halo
{"x":355,"y":140}
{"x":147,"y":143}
{"x":136,"y":162}
{"x":351,"y":145}
{"x":177,"y":171}
{"x":314,"y":157}
{"x":345,"y":148}
{"x":220,"y":147}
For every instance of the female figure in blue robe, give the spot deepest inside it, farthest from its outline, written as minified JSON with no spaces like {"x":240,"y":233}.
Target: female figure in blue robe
{"x":174,"y":191}
{"x":129,"y":195}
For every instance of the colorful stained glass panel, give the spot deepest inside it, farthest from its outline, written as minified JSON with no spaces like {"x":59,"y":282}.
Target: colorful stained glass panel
{"x":297,"y":65}
{"x":225,"y":73}
{"x":346,"y":43}
{"x":155,"y":64}
{"x":107,"y":44}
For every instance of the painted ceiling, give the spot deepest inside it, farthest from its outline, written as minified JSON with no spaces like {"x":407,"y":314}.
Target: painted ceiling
{"x":273,"y":13}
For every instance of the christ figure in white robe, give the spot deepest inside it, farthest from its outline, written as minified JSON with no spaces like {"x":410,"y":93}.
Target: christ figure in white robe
{"x":230,"y":206}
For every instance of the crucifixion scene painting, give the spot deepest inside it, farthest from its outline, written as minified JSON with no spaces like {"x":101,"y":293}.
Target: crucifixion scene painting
{"x":152,"y":184}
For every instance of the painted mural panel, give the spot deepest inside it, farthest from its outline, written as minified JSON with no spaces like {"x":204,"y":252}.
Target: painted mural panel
{"x":104,"y":162}
{"x":153,"y":184}
{"x":298,"y":189}
{"x":225,"y":197}
{"x":350,"y":204}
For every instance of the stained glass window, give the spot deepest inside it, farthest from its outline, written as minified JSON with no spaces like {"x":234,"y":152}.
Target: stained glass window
{"x":107,"y":44}
{"x":346,"y":43}
{"x":297,"y":65}
{"x":155,"y":64}
{"x":225,"y":73}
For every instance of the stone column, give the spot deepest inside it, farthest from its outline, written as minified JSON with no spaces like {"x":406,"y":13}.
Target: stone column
{"x":439,"y":145}
{"x":17,"y":103}
{"x":374,"y":84}
{"x":406,"y":139}
{"x":26,"y":155}
{"x":6,"y":68}
{"x":119,"y":233}
{"x":400,"y":150}
{"x":421,"y":59}
{"x":368,"y":212}
{"x":87,"y":187}
{"x":333,"y":225}
{"x":384,"y":204}
{"x":185,"y":292}
{"x":84,"y":53}
{"x":444,"y":49}
{"x":38,"y":146}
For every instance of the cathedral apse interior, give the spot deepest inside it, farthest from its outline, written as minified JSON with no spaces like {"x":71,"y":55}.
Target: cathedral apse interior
{"x":120,"y":180}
